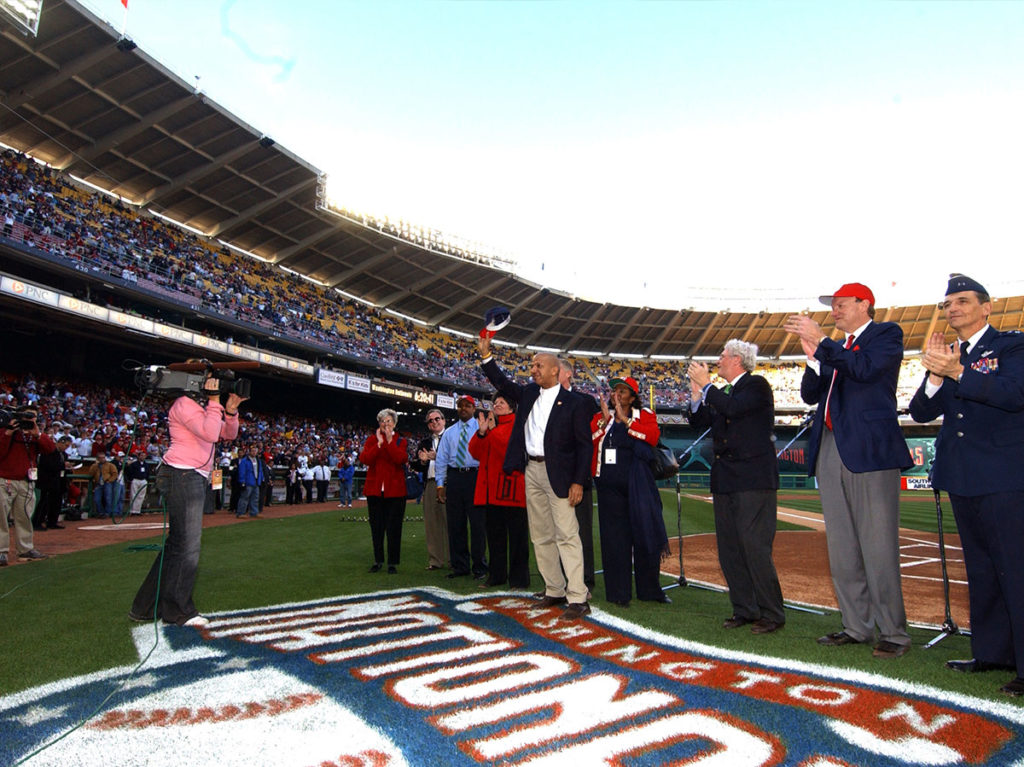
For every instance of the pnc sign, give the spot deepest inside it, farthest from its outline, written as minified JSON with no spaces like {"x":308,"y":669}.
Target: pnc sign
{"x":426,"y":677}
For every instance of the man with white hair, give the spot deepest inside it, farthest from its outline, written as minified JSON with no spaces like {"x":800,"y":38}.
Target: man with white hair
{"x":744,"y":482}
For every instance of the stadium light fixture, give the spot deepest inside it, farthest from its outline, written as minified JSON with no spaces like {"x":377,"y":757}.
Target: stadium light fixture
{"x":454,"y":332}
{"x":676,"y":357}
{"x":581,"y":353}
{"x":108,"y":193}
{"x":23,"y":13}
{"x":509,"y":344}
{"x":626,"y":356}
{"x":356,"y":298}
{"x":406,"y":317}
{"x":245,"y":252}
{"x":544,"y":349}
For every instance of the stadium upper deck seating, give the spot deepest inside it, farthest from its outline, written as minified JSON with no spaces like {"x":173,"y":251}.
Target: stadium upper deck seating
{"x":41,"y":208}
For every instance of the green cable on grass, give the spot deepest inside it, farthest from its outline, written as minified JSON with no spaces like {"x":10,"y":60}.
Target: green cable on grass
{"x":140,"y":664}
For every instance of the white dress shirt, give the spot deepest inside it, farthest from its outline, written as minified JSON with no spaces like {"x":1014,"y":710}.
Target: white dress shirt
{"x":537,"y":421}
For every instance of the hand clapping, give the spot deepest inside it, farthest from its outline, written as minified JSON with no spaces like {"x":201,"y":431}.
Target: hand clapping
{"x":699,"y":375}
{"x":940,"y":360}
{"x":807,"y":330}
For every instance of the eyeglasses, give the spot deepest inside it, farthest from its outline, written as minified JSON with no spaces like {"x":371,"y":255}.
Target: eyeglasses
{"x":435,"y":418}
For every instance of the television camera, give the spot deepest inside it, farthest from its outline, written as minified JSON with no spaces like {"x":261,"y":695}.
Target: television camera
{"x":189,"y":378}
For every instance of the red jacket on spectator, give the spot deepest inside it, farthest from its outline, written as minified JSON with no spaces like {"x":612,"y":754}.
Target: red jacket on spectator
{"x":19,"y":451}
{"x":493,"y":486}
{"x":643,"y":426}
{"x":385,"y":467}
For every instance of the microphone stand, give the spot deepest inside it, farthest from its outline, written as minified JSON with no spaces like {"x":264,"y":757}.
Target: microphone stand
{"x":949,"y":627}
{"x":805,"y":424}
{"x":679,"y":519}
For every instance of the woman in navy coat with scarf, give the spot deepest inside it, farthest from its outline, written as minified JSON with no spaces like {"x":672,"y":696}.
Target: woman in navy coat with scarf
{"x":633,"y":533}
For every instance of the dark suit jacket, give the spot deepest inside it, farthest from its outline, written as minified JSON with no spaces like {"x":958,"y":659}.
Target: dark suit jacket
{"x":978,"y":450}
{"x":863,"y":403}
{"x":741,"y":429}
{"x":427,"y":443}
{"x":567,"y":443}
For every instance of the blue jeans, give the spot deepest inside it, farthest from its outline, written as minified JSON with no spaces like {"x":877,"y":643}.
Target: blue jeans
{"x":345,"y":491}
{"x":103,"y":499}
{"x":184,"y":493}
{"x":249,"y":500}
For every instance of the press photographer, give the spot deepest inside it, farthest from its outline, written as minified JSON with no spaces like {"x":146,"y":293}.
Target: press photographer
{"x":197,"y":421}
{"x":21,"y":444}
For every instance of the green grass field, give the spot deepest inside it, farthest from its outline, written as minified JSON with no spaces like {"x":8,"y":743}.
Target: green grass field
{"x":68,"y":615}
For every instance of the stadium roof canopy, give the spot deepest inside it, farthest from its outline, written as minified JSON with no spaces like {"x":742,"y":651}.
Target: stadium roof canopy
{"x":91,"y":104}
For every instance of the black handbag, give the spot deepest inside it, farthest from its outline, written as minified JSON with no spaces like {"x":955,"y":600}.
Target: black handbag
{"x":664,"y":464}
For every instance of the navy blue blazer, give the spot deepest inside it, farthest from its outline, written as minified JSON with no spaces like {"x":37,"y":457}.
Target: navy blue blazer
{"x":567,"y":438}
{"x":741,"y":429}
{"x":863,"y":403}
{"x":980,"y":447}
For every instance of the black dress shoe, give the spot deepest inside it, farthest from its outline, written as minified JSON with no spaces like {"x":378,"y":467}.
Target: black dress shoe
{"x":765,"y":626}
{"x":57,"y":526}
{"x":735,"y":622}
{"x":663,"y":599}
{"x":838,"y":639}
{"x":1014,"y":688}
{"x":392,"y":569}
{"x":375,"y":568}
{"x":973,"y":666}
{"x":456,"y":575}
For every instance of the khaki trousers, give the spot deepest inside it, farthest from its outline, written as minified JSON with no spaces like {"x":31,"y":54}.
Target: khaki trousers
{"x":555,"y":535}
{"x":17,"y":498}
{"x":435,"y":522}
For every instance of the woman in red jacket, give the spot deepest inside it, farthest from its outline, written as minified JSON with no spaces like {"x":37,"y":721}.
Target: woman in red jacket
{"x":385,"y":454}
{"x":504,"y":496}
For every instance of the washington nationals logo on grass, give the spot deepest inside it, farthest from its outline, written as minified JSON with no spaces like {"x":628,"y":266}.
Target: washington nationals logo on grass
{"x":426,"y":677}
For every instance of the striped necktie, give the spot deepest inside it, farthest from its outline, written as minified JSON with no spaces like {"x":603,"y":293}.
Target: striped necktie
{"x":462,"y":453}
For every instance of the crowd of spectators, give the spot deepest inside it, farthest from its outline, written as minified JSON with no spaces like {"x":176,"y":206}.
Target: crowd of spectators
{"x":41,"y":208}
{"x":109,"y":420}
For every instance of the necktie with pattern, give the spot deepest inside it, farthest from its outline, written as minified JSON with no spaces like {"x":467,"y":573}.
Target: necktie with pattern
{"x":462,"y":452}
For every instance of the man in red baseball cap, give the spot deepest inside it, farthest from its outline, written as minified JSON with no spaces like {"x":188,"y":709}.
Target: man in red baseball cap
{"x":856,"y":450}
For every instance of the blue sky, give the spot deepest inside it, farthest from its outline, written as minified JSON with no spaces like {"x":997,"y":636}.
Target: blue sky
{"x":671,"y":154}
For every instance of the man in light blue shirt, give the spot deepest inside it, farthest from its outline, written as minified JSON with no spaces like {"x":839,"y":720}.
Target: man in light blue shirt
{"x":455,"y":471}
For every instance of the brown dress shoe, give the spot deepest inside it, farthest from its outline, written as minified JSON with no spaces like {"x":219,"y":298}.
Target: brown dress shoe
{"x":765,"y":626}
{"x":1014,"y":688}
{"x":886,"y":649}
{"x":547,"y":601}
{"x":574,"y":612}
